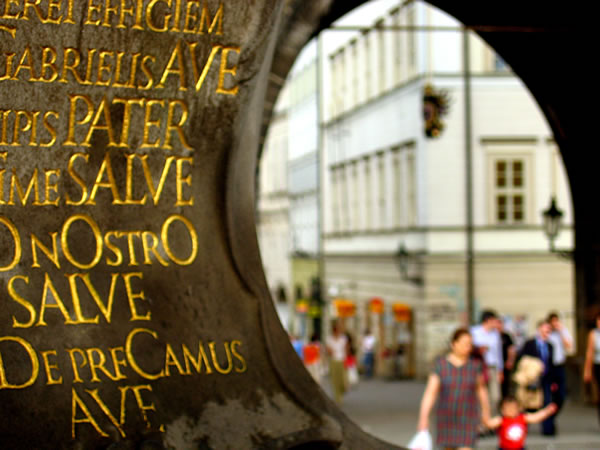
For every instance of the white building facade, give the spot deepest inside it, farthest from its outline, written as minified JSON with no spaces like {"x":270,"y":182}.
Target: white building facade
{"x":386,"y":186}
{"x":303,"y":172}
{"x":273,"y":222}
{"x":288,"y":207}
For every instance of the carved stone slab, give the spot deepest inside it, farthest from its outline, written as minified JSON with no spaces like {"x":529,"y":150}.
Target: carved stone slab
{"x":134,"y":312}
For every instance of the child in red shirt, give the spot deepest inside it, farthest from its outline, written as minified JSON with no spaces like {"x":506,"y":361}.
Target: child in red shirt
{"x":512,"y":425}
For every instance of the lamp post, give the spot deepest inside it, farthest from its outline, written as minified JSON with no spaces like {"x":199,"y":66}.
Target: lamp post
{"x":403,"y":258}
{"x":552,"y":219}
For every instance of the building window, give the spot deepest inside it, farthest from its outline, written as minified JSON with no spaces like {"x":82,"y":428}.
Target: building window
{"x":299,"y":291}
{"x":367,"y":65}
{"x":412,"y":44}
{"x":281,"y":294}
{"x":397,"y":37}
{"x":343,"y":197}
{"x":355,"y":197}
{"x":342,"y":80}
{"x":381,"y":189}
{"x":338,"y":78}
{"x":335,"y":199}
{"x":335,"y":83}
{"x":381,"y":55}
{"x":411,"y":188}
{"x":367,"y":193}
{"x":509,"y":188}
{"x":398,"y":190}
{"x":355,"y":72}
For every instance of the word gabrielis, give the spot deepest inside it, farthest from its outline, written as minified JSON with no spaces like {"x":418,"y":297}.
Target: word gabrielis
{"x":187,"y":64}
{"x":142,"y":355}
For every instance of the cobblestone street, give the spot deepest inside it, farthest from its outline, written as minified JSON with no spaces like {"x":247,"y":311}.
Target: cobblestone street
{"x":388,"y":410}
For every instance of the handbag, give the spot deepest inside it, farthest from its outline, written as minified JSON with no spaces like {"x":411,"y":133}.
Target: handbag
{"x":352,"y":375}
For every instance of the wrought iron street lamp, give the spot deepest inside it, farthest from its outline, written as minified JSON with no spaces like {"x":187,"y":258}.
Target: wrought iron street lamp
{"x":552,"y":221}
{"x":403,"y":259}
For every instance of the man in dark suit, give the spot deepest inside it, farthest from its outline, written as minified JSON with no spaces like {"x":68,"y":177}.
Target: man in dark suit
{"x":540,"y":347}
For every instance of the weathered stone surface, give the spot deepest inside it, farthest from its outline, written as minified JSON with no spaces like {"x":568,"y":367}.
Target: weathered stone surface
{"x":135,"y":313}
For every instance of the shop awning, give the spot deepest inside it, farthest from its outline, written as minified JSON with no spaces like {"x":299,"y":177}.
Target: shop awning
{"x":376,"y":305}
{"x":402,"y":312}
{"x":302,"y":305}
{"x":344,"y":307}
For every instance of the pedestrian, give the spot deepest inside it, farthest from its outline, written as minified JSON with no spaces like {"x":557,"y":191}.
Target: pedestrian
{"x":312,"y":358}
{"x":592,"y":359}
{"x":456,"y":383}
{"x":368,"y":351}
{"x":509,"y":355}
{"x":512,"y":424}
{"x":350,"y":367}
{"x":298,"y":345}
{"x":486,"y":339}
{"x":540,"y":347}
{"x":562,"y":343}
{"x":337,"y":345}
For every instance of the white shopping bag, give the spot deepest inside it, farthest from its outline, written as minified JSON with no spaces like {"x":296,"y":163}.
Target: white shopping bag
{"x":353,"y":376}
{"x":421,"y":441}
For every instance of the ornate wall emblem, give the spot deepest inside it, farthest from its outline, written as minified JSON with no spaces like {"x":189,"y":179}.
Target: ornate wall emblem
{"x":435,"y":107}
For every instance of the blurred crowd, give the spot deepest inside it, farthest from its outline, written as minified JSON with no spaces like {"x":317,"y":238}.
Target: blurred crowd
{"x":336,"y":358}
{"x":486,"y":371}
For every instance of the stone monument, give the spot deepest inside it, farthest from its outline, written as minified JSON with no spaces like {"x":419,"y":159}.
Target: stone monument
{"x":135,"y":313}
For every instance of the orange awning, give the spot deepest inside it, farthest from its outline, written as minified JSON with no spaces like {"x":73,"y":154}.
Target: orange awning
{"x":302,"y":306}
{"x":344,"y":307}
{"x":402,"y":312}
{"x":376,"y":305}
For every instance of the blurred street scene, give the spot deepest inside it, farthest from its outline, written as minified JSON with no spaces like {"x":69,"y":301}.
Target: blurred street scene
{"x":366,"y":212}
{"x":410,"y":186}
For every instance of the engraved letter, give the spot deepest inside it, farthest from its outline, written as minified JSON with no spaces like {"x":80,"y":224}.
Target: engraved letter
{"x":72,"y":113}
{"x":77,"y":402}
{"x":21,"y":301}
{"x":238,"y":356}
{"x":105,"y":309}
{"x":197,"y":363}
{"x":164,"y":234}
{"x":49,"y":368}
{"x":215,"y":359}
{"x":58,"y":303}
{"x":17,"y":241}
{"x":171,"y":127}
{"x":52,"y":256}
{"x":130,"y":358}
{"x":65,"y":244}
{"x":35,"y":364}
{"x":224,"y":71}
{"x":131,"y":296}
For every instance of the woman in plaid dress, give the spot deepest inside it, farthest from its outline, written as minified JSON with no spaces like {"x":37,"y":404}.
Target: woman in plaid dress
{"x":457,"y":383}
